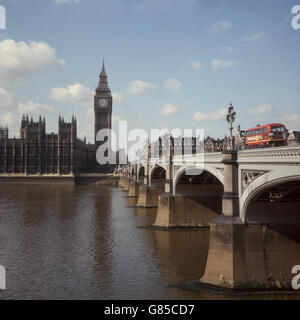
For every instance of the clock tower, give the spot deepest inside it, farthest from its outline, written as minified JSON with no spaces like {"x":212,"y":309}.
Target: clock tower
{"x":103,"y":110}
{"x":102,"y":104}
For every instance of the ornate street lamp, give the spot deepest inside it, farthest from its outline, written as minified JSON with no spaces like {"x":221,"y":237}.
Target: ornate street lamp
{"x":230,"y":117}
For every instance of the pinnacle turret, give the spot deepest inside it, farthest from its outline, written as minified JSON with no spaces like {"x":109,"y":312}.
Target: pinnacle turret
{"x":103,"y":83}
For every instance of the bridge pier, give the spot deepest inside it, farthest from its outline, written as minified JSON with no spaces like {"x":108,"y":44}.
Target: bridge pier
{"x":190,"y":205}
{"x":250,"y":257}
{"x":122,"y":181}
{"x":133,"y":188}
{"x":148,"y":196}
{"x":134,"y":184}
{"x":255,"y":255}
{"x":126,"y":183}
{"x":181,"y":211}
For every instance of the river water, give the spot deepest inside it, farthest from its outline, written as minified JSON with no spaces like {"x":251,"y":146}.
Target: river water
{"x":83,"y":242}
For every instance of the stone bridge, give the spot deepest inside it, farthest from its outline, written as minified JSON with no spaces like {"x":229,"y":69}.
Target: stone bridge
{"x":250,"y":199}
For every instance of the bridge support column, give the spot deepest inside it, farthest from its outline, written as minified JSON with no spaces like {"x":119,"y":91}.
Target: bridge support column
{"x":146,"y":174}
{"x":121,"y":181}
{"x":183,"y":211}
{"x":169,"y":179}
{"x":230,"y":200}
{"x":134,"y":188}
{"x":126,"y":183}
{"x":148,"y":196}
{"x":250,"y":257}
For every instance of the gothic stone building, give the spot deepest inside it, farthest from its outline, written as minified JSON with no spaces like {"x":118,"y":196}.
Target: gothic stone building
{"x":36,"y":152}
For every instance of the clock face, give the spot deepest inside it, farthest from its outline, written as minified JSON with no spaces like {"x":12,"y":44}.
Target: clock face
{"x":102,"y":102}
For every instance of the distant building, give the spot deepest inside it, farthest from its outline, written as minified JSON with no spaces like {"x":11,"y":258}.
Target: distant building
{"x":294,"y":138}
{"x":214,"y":145}
{"x":36,"y":152}
{"x":103,"y":116}
{"x":3,"y":133}
{"x":240,"y":139}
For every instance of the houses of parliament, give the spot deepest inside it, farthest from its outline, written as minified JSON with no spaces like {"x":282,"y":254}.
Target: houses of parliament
{"x":36,"y":152}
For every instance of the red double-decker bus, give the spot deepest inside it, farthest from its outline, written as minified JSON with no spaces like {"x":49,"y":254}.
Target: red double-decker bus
{"x":269,"y":135}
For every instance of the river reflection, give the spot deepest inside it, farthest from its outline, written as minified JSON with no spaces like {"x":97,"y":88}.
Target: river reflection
{"x":64,"y":242}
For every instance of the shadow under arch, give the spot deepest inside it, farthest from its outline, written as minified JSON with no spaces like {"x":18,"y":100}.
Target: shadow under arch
{"x":141,"y":174}
{"x":205,"y":189}
{"x":276,"y":205}
{"x":265,"y":182}
{"x":183,"y":171}
{"x":157,"y":176}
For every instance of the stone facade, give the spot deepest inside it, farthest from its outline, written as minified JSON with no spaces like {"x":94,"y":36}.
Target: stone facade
{"x":37,"y":152}
{"x":294,"y":138}
{"x":240,"y":139}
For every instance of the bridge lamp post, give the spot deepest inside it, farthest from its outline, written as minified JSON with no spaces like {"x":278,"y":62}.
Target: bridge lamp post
{"x":230,"y":117}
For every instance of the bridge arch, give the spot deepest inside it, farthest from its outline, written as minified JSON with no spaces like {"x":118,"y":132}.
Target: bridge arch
{"x":140,"y":173}
{"x":217,"y":173}
{"x":278,"y":185}
{"x":201,"y":194}
{"x":157,"y":175}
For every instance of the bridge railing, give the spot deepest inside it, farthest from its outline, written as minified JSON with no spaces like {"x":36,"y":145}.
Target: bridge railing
{"x":267,"y":155}
{"x":271,"y":155}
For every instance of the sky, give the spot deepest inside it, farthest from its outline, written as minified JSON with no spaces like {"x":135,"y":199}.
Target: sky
{"x":170,"y":63}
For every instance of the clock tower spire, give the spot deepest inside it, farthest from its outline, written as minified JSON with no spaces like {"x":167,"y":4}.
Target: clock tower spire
{"x":102,"y":104}
{"x":103,"y":111}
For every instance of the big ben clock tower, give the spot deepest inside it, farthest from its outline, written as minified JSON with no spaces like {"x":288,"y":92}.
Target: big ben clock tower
{"x":103,"y":109}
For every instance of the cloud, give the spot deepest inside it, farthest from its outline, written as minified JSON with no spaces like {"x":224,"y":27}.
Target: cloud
{"x":8,"y":119}
{"x":220,"y":114}
{"x":66,"y":1}
{"x":11,"y":111}
{"x":221,"y":26}
{"x":20,"y":60}
{"x":292,"y":121}
{"x":169,"y":109}
{"x":218,"y":63}
{"x":34,"y":107}
{"x":7,"y":101}
{"x":255,"y":36}
{"x":118,"y":98}
{"x":173,"y":84}
{"x":195,"y":65}
{"x":76,"y":93}
{"x":90,"y":113}
{"x":140,"y":87}
{"x":262,"y":110}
